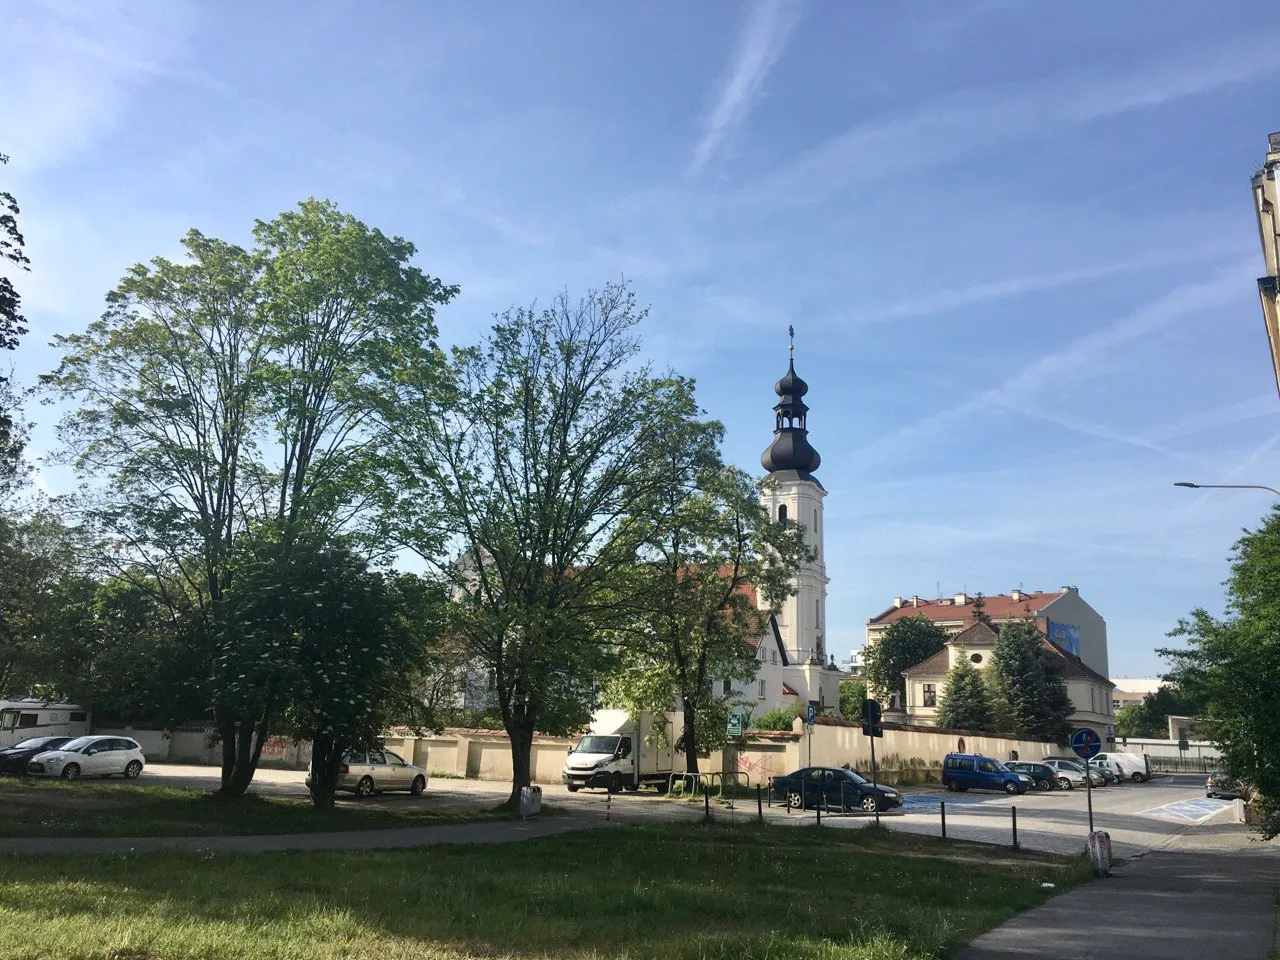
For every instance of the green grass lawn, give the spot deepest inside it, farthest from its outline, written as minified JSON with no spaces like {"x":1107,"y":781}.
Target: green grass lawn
{"x":686,"y":891}
{"x":81,"y":808}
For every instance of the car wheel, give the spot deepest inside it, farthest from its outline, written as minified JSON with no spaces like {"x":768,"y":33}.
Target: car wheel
{"x":1042,"y":784}
{"x":419,"y":784}
{"x":793,"y":799}
{"x":952,"y":786}
{"x":1065,"y":783}
{"x":632,"y":786}
{"x":869,"y":804}
{"x":1138,"y":777}
{"x":133,"y":770}
{"x":364,"y":787}
{"x":571,"y":787}
{"x":71,"y":772}
{"x":1011,"y":787}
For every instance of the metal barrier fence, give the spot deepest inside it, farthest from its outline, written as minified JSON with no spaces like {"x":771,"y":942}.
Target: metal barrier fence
{"x":1182,"y":764}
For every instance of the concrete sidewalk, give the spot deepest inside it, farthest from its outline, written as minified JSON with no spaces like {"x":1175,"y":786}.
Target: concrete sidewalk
{"x":1162,"y":906}
{"x":494,"y":831}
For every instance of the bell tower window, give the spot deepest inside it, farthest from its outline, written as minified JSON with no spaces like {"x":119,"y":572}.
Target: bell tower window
{"x":782,"y":514}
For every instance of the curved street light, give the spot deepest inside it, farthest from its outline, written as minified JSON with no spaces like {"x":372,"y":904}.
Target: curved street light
{"x":1226,"y":486}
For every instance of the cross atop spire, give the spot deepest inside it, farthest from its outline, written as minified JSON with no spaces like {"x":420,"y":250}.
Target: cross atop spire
{"x":791,"y":332}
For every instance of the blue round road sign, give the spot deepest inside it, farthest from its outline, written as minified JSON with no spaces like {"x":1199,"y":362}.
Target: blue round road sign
{"x":1086,"y":743}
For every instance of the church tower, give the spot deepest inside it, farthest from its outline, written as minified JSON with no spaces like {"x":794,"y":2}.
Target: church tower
{"x":792,"y":494}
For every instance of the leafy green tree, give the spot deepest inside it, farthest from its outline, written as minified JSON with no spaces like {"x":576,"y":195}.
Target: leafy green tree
{"x":234,"y":389}
{"x":1231,"y":666}
{"x":1149,"y":717}
{"x":852,"y":695}
{"x":706,"y":540}
{"x":1030,"y":679}
{"x":965,"y":705}
{"x":526,"y":464}
{"x":905,"y":643}
{"x":780,"y":718}
{"x":12,"y":327}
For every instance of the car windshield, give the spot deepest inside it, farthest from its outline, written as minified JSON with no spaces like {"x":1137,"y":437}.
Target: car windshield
{"x":1071,"y":765}
{"x":596,"y":745}
{"x":47,"y":743}
{"x":78,"y":744}
{"x":1001,"y":767}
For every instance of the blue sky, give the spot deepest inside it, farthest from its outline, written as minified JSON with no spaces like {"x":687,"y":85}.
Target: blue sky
{"x":1015,"y":239}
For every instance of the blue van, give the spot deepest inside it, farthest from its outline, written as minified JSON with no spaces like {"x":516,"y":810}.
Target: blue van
{"x":960,"y":771}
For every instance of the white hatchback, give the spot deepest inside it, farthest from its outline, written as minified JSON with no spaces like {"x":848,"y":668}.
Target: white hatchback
{"x":90,"y":757}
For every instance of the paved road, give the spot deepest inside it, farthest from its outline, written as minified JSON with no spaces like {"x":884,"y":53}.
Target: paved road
{"x":1162,"y":906}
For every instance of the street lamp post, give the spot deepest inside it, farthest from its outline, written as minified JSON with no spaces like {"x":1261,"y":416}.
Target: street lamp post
{"x":1226,"y":486}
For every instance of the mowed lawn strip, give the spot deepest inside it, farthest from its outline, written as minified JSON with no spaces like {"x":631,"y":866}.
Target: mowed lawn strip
{"x":56,"y":808}
{"x":687,"y":891}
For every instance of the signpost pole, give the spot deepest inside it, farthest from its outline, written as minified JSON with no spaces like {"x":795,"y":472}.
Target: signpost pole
{"x":1086,"y":745}
{"x":1088,"y":781}
{"x":873,"y":779}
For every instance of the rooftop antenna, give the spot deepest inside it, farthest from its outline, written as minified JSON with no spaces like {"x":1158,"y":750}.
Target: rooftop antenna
{"x":939,"y":586}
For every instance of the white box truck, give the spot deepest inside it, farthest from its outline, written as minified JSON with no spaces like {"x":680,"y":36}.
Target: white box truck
{"x":623,"y":752}
{"x":24,"y":719}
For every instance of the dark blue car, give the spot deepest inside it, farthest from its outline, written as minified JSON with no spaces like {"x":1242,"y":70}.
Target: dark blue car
{"x":968,"y":771}
{"x":833,"y":789}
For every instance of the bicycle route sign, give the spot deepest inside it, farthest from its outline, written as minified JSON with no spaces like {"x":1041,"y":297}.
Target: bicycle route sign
{"x":1086,"y":743}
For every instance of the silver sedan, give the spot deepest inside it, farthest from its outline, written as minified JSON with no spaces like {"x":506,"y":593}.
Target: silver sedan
{"x":377,"y":771}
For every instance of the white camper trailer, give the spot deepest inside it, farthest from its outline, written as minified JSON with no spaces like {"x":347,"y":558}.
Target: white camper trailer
{"x":624,"y":753}
{"x":23,"y":719}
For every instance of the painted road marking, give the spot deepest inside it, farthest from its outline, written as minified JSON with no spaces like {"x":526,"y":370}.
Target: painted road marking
{"x":929,"y":802}
{"x":1189,"y":811}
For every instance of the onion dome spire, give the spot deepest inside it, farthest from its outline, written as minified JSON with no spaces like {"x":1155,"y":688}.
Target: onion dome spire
{"x":791,"y":449}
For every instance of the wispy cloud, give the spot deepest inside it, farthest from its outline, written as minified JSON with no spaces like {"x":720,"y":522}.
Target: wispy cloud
{"x":768,"y":27}
{"x":984,"y":120}
{"x":1013,"y":392}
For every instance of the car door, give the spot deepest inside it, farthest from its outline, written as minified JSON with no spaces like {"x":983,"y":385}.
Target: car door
{"x":116,"y":756}
{"x":988,"y":777}
{"x":96,"y":758}
{"x":377,"y":767}
{"x":812,"y":787}
{"x":398,"y":777}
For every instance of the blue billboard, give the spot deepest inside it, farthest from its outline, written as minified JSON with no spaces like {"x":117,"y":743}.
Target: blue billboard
{"x":1065,"y":636}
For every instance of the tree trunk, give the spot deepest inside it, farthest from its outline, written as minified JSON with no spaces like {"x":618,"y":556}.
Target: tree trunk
{"x":326,"y":761}
{"x":690,"y":739}
{"x":241,"y":751}
{"x":227,"y":730}
{"x":521,"y":762}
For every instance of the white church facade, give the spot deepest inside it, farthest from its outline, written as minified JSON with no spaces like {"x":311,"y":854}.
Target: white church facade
{"x":794,"y":666}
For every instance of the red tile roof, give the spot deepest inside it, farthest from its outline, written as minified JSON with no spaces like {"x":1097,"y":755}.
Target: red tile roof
{"x":1000,"y":606}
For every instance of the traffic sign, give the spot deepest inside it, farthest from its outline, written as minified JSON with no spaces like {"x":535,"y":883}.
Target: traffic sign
{"x":811,"y":713}
{"x":735,"y":724}
{"x":1086,"y":743}
{"x":870,"y":712}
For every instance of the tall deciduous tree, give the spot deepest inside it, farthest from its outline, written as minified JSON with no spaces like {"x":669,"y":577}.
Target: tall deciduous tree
{"x":965,"y":705}
{"x":239,"y":388}
{"x":852,"y":695}
{"x":12,"y":326}
{"x":1231,"y":666}
{"x":533,"y":460}
{"x":1030,"y":679}
{"x":709,"y":546}
{"x":905,"y":643}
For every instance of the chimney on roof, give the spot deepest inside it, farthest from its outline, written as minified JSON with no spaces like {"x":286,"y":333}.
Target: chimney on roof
{"x":1070,"y":590}
{"x":915,"y":601}
{"x":897,"y":603}
{"x":1017,"y":595}
{"x":961,"y":599}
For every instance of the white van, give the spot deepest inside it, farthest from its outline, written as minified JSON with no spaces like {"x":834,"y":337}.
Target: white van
{"x":1132,"y":766}
{"x":23,"y":719}
{"x":623,"y":753}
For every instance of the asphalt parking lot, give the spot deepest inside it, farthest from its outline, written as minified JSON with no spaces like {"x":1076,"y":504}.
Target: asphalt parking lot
{"x":1139,"y":817}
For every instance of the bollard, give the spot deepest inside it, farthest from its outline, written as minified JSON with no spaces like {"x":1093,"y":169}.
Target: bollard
{"x":1015,"y":827}
{"x":818,"y":807}
{"x":843,"y":808}
{"x":942,"y":805}
{"x":608,"y":804}
{"x":760,"y":802}
{"x":706,"y":801}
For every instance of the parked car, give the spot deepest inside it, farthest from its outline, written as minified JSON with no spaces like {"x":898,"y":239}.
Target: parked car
{"x":1220,"y":785}
{"x":834,"y":789}
{"x":1131,"y":766}
{"x":1042,"y":777}
{"x":964,"y":771}
{"x":376,"y":771}
{"x":15,"y":759}
{"x":1073,"y":770}
{"x":89,"y":757}
{"x":1110,"y":772}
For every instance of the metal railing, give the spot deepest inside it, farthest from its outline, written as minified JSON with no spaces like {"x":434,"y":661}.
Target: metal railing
{"x":1182,"y":764}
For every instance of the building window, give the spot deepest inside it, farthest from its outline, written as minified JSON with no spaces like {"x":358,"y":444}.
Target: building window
{"x":773,"y":656}
{"x":976,"y":658}
{"x":79,"y":717}
{"x":728,"y":687}
{"x":930,"y":694}
{"x":761,"y":694}
{"x":782,"y":514}
{"x":817,"y":612}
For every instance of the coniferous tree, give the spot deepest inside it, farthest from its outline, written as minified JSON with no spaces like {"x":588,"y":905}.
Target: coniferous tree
{"x":965,"y":704}
{"x":1031,"y":680}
